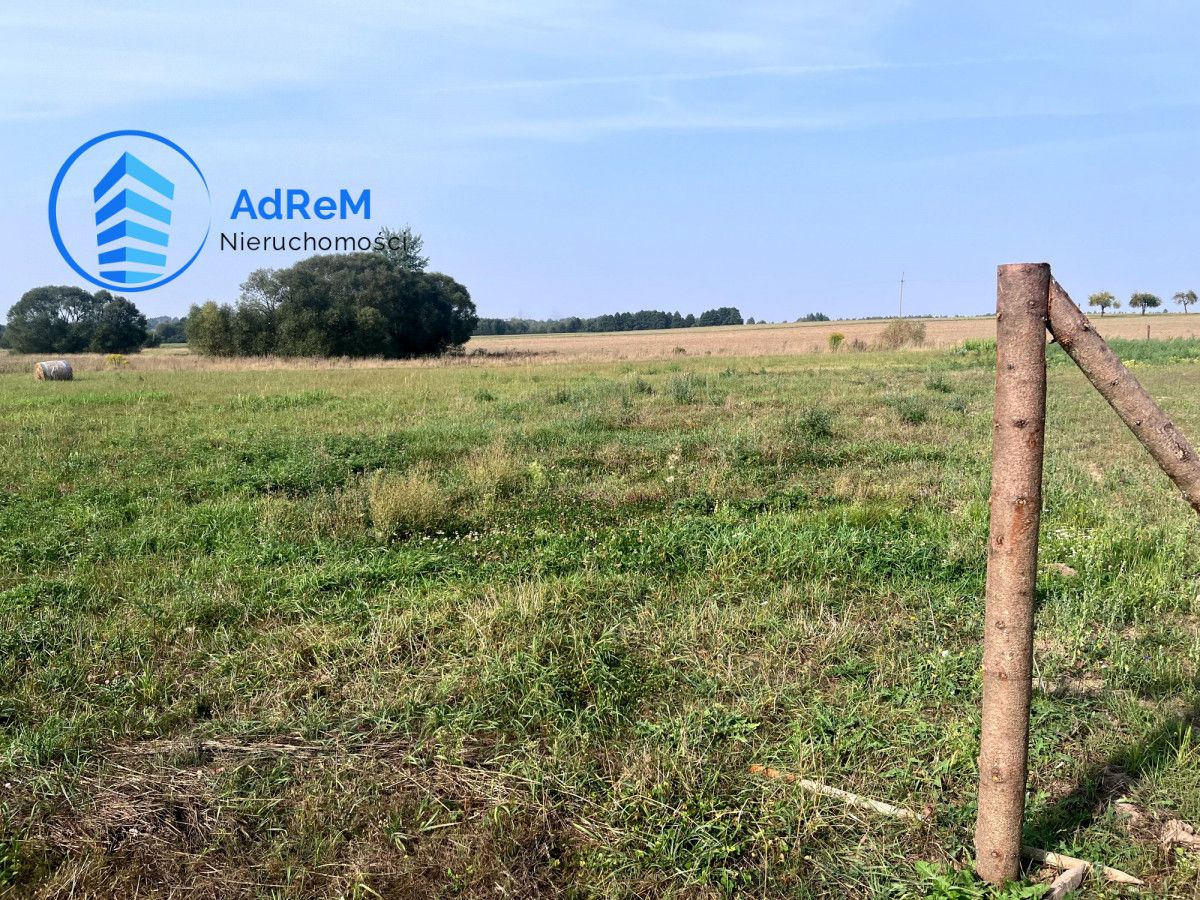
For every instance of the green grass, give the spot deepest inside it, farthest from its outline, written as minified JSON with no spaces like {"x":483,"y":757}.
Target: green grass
{"x":465,"y":631}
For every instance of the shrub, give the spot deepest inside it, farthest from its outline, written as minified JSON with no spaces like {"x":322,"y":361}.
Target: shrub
{"x":835,"y":340}
{"x":939,"y":384}
{"x":912,"y":410}
{"x":116,"y":360}
{"x":901,"y":333}
{"x":412,"y":503}
{"x":814,"y":425}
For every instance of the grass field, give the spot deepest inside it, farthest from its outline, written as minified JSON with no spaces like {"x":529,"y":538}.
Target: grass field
{"x":509,"y":631}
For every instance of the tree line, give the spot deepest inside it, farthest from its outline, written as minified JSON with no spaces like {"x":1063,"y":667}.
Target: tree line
{"x":378,"y":303}
{"x":642,"y":320}
{"x":1104,"y":301}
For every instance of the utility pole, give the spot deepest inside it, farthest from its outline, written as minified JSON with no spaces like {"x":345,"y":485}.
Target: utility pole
{"x":902,"y":295}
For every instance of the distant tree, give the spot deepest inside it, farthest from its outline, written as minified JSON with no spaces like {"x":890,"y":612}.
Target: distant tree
{"x":750,"y":321}
{"x":353,"y":304}
{"x":1185,"y":299}
{"x":1104,"y":301}
{"x":3,"y":342}
{"x":119,"y":326}
{"x":209,"y":330}
{"x":169,"y":330}
{"x":1144,"y":301}
{"x":814,"y":317}
{"x":403,"y":249}
{"x":66,"y":319}
{"x":724,"y":315}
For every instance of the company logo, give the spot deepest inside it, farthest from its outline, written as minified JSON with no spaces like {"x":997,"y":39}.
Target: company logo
{"x":129,"y":210}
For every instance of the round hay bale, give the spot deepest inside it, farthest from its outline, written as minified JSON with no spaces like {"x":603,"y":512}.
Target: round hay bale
{"x":53,"y":370}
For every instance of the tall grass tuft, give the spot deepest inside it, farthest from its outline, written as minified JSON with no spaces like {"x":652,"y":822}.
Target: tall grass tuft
{"x":686,"y":389}
{"x":492,"y":474}
{"x":409,"y":503}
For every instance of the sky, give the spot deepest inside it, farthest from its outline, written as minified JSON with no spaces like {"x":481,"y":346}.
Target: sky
{"x":580,"y":158}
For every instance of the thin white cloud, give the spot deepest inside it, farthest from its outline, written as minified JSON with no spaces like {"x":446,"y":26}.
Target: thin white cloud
{"x":651,"y":78}
{"x":69,"y":59}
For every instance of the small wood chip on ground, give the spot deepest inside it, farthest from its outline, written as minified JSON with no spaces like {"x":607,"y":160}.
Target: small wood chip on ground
{"x":817,"y":787}
{"x":1177,"y":833}
{"x":1068,"y":881}
{"x":1062,"y":861}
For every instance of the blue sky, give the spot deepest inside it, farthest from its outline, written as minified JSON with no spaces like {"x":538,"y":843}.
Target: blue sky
{"x":578,"y":158}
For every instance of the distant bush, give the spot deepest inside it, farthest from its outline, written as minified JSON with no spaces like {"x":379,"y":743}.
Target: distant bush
{"x":901,"y":333}
{"x":814,"y":425}
{"x":835,"y":341}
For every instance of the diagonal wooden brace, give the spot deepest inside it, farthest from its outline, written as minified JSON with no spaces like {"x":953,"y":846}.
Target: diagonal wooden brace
{"x":1137,"y":409}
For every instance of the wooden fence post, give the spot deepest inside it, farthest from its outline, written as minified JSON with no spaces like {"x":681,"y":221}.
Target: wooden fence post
{"x":1016,"y":501}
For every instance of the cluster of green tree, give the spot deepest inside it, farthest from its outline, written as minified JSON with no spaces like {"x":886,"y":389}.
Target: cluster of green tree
{"x":167,"y":330}
{"x":1105,"y":301}
{"x":814,"y":317}
{"x":65,"y":319}
{"x":380,"y":303}
{"x":642,"y":320}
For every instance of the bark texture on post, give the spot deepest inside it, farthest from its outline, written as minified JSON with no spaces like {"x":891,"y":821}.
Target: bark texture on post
{"x":1129,"y":399}
{"x":1016,"y":503}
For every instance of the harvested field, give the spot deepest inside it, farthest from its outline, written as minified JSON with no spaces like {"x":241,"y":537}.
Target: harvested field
{"x":802,"y":337}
